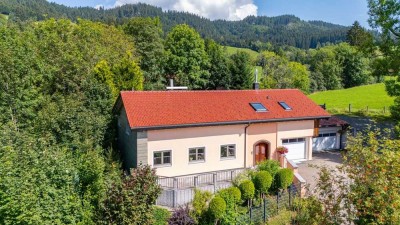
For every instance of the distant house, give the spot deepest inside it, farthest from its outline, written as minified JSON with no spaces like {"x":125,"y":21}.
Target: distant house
{"x":332,"y":135}
{"x":190,"y":132}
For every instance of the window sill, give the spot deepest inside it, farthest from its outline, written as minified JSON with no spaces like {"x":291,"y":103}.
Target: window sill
{"x":227,"y":158}
{"x":197,"y":162}
{"x":162,"y":165}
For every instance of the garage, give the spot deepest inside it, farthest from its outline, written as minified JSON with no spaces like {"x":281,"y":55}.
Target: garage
{"x":296,"y":147}
{"x":325,"y":141}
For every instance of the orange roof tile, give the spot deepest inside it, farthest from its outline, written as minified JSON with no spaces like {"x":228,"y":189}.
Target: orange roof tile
{"x":156,"y":109}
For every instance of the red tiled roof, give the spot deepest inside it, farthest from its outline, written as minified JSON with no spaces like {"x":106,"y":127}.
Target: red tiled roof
{"x":146,"y":109}
{"x":333,"y":122}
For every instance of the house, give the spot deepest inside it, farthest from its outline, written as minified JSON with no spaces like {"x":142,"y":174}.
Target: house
{"x":332,"y":134}
{"x":191,"y":132}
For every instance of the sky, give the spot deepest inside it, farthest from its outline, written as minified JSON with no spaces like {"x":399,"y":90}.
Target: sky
{"x":343,"y":12}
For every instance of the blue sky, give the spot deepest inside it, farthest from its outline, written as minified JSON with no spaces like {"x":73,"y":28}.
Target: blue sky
{"x":343,"y":12}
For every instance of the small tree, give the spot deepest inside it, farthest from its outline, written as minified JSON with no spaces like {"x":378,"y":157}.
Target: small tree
{"x":231,"y":192}
{"x":262,"y":182}
{"x":217,"y":208}
{"x":247,"y":189}
{"x":271,"y":166}
{"x":284,"y":178}
{"x":200,"y":203}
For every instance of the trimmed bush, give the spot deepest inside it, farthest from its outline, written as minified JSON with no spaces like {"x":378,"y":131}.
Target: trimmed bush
{"x":231,"y":193}
{"x":200,"y":201}
{"x":284,"y":178}
{"x":217,"y":207}
{"x":262,"y":181}
{"x":271,"y":166}
{"x":247,"y":189}
{"x":160,"y":215}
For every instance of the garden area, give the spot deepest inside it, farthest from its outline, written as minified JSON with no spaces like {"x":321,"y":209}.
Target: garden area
{"x":263,"y":195}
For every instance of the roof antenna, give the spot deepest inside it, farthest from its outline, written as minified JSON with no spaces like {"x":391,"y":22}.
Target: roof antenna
{"x":172,"y":87}
{"x":256,"y":85}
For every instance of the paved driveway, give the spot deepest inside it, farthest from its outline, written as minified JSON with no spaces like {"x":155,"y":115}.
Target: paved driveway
{"x":327,"y":158}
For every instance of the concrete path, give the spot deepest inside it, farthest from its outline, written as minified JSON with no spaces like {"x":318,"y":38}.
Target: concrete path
{"x":325,"y":158}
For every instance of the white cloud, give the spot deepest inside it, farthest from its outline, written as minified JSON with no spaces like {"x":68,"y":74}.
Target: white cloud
{"x":212,"y":9}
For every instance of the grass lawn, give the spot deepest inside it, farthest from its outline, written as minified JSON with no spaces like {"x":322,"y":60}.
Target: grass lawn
{"x":337,"y":101}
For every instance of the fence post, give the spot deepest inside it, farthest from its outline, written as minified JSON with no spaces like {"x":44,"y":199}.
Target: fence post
{"x":265,"y":210}
{"x":215,"y":182}
{"x":277,"y":200}
{"x":195,"y":181}
{"x":174,"y":195}
{"x":232,"y":175}
{"x":290,"y":196}
{"x":251,"y":209}
{"x":349,"y":108}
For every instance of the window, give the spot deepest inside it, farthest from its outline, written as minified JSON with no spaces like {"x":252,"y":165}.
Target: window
{"x":327,"y":135}
{"x":228,"y":151}
{"x":285,"y":106}
{"x":293,"y":140}
{"x":258,"y":107}
{"x":197,"y":154}
{"x":162,"y":158}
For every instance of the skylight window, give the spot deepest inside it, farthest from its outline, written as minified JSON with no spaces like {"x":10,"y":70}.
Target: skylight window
{"x":258,"y":107}
{"x":285,"y":106}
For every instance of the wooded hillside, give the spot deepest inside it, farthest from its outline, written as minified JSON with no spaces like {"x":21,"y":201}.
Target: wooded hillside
{"x":252,"y":32}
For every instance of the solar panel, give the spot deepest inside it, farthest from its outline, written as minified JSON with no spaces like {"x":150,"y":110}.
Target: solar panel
{"x":285,"y":106}
{"x":258,"y":107}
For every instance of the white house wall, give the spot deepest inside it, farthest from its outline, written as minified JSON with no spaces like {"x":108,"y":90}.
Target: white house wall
{"x":180,"y":140}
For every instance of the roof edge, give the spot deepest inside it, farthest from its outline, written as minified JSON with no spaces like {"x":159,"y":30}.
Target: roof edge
{"x":227,"y":123}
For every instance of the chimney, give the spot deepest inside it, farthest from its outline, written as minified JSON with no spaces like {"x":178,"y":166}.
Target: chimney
{"x":256,"y":85}
{"x":172,"y":87}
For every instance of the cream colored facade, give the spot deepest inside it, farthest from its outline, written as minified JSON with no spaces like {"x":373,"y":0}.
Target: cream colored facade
{"x":179,"y":140}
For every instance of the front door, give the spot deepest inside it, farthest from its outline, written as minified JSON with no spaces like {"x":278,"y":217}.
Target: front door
{"x":261,"y":152}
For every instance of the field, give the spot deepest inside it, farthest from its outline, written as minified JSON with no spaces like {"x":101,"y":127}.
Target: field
{"x":372,"y":96}
{"x":231,"y":50}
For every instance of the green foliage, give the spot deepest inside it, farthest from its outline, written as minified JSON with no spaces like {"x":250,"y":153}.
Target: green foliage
{"x":220,"y":77}
{"x":271,"y":166}
{"x":128,"y":75}
{"x":243,"y":176}
{"x":308,"y":211}
{"x":231,"y":192}
{"x":104,"y":74}
{"x":217,"y":207}
{"x":283,"y":218}
{"x":241,"y":71}
{"x":200,"y":203}
{"x":262,"y":181}
{"x":147,"y":34}
{"x":130,"y":201}
{"x":247,"y":189}
{"x":359,"y":37}
{"x":187,"y":60}
{"x":280,"y":73}
{"x":284,"y":178}
{"x":160,"y":216}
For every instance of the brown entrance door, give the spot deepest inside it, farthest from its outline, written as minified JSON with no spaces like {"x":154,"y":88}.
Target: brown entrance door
{"x":261,"y":152}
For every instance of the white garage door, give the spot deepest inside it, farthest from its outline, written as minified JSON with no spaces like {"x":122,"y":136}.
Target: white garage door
{"x":296,"y":147}
{"x":326,"y":141}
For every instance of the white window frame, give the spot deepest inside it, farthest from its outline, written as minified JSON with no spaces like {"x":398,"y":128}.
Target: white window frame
{"x":162,"y":164}
{"x":196,"y":160}
{"x":227,"y":151}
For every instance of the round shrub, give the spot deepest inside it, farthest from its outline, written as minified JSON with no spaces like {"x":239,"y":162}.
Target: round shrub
{"x":262,"y":181}
{"x":217,"y":207}
{"x":247,"y":189}
{"x":231,"y":193}
{"x":271,"y":166}
{"x":284,"y":178}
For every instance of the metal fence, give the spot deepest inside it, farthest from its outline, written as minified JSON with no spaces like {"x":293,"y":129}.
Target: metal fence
{"x":180,"y":190}
{"x":260,"y":212}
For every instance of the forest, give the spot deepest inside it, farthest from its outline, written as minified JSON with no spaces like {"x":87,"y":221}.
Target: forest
{"x":251,"y":32}
{"x":61,"y":70}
